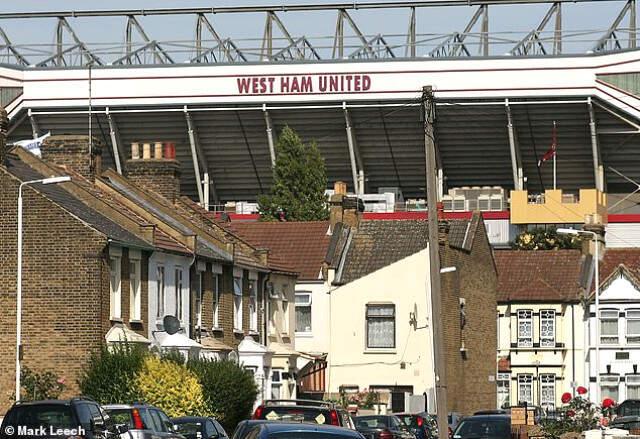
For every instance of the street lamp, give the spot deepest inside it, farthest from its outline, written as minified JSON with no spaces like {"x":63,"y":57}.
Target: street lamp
{"x":52,"y":180}
{"x":594,"y":236}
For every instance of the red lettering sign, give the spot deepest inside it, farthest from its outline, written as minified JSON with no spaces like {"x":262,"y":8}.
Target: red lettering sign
{"x":303,"y":84}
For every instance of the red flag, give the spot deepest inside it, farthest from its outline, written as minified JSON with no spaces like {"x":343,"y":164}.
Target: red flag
{"x":552,"y":151}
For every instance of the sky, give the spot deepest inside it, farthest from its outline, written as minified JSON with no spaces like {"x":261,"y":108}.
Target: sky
{"x":513,"y":20}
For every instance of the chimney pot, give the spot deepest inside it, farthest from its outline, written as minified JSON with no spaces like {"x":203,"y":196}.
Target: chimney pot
{"x":157,"y":151}
{"x":135,"y":151}
{"x":146,"y":151}
{"x":340,"y":188}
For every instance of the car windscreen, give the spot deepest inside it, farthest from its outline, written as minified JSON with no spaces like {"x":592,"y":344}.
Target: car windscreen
{"x":297,"y":414}
{"x":409,"y":420}
{"x":121,"y":416}
{"x":43,"y":415}
{"x":483,"y":428}
{"x":189,"y":429}
{"x":372,"y":422}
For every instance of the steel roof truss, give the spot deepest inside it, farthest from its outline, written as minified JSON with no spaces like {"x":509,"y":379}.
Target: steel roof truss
{"x":454,"y":45}
{"x":224,"y":47}
{"x":12,"y":50}
{"x":610,"y":40}
{"x":534,"y":42}
{"x":159,"y":54}
{"x":338,"y":42}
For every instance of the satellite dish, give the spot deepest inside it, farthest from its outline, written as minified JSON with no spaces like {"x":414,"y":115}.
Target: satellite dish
{"x":171,"y":324}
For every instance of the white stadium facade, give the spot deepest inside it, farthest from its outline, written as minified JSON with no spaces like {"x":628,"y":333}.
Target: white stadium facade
{"x":358,"y":97}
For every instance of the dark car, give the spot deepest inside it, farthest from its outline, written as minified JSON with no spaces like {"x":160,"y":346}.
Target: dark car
{"x":59,"y":419}
{"x":198,"y":427}
{"x":145,"y":421}
{"x":627,"y":415}
{"x":382,"y":427}
{"x":295,"y":430}
{"x":244,"y":426}
{"x":421,"y":427}
{"x":484,"y":427}
{"x":302,"y":410}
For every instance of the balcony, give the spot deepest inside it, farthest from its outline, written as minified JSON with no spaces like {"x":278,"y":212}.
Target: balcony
{"x":554,"y":207}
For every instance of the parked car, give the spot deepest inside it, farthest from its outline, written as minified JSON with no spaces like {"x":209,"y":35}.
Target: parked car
{"x":297,"y":430}
{"x":382,"y":427}
{"x":59,"y":418}
{"x":421,"y":427}
{"x":246,"y":425}
{"x":198,"y":427}
{"x":627,"y":415}
{"x":484,"y":427}
{"x":302,"y":410}
{"x":144,"y":421}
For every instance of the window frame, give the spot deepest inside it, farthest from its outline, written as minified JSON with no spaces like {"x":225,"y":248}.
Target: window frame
{"x":253,"y":305}
{"x":178,"y":285}
{"x":610,"y":381}
{"x":547,"y":380}
{"x":632,"y":380}
{"x":160,"y":291}
{"x":522,"y":341}
{"x":198,"y":297}
{"x":115,"y":294}
{"x":503,"y":382}
{"x":547,"y":341}
{"x":609,"y":339}
{"x":237,"y":304}
{"x":306,"y":304}
{"x":629,"y":337}
{"x":217,"y":285}
{"x":285,"y":314}
{"x":277,"y":383}
{"x":135,"y":290}
{"x":521,"y":381}
{"x":390,"y":318}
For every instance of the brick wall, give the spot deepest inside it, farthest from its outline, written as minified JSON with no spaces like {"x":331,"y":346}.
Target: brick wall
{"x":161,"y":176}
{"x":64,"y":278}
{"x":73,"y":151}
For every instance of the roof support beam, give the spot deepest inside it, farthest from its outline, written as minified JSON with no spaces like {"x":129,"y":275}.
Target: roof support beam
{"x":266,"y":53}
{"x":35,"y":129}
{"x":410,"y":50}
{"x":338,"y":42}
{"x":198,"y":159}
{"x":598,"y":169}
{"x":516,"y":162}
{"x":357,"y":169}
{"x":226,"y":47}
{"x":116,"y":143}
{"x":269,"y":124}
{"x":160,"y":55}
{"x":533,"y":44}
{"x":454,"y":45}
{"x":9,"y":46}
{"x":610,"y":40}
{"x":58,"y":58}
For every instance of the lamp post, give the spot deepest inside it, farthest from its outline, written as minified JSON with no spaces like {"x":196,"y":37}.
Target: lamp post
{"x":594,"y":237}
{"x":52,"y":180}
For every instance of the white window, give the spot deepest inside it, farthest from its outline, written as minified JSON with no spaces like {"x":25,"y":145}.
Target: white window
{"x":548,"y":391}
{"x":303,"y":312}
{"x":547,"y":328}
{"x":160,"y":291}
{"x":217,"y":287}
{"x":609,"y":386}
{"x":276,"y":384}
{"x":503,"y":383}
{"x":253,"y":306}
{"x":198,"y":297}
{"x":525,"y":388}
{"x":135,"y":312}
{"x":285,"y":314}
{"x":273,"y":315}
{"x":237,"y":304}
{"x":525,"y":328}
{"x":115,"y":287}
{"x":609,"y":326}
{"x":633,"y":387}
{"x":381,"y":326}
{"x":178,"y":292}
{"x":633,"y":326}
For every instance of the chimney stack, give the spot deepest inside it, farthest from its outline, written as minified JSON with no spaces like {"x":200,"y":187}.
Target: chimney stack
{"x":4,"y":127}
{"x":155,"y":169}
{"x":344,"y":209}
{"x":74,"y":152}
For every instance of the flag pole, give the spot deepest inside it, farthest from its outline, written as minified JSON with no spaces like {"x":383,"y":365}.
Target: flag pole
{"x":555,"y":153}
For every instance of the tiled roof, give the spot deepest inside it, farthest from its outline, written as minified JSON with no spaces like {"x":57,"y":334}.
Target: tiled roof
{"x":67,"y":201}
{"x":613,"y":258}
{"x":301,"y":245}
{"x":534,"y":276}
{"x":379,"y":243}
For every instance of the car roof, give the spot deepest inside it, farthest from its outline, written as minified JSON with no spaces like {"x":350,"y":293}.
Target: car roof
{"x":128,"y":406}
{"x":273,"y":427}
{"x":487,"y":418}
{"x":44,"y":401}
{"x":190,"y":418}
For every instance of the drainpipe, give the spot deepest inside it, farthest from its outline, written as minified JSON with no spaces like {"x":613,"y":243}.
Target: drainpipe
{"x":265,"y":310}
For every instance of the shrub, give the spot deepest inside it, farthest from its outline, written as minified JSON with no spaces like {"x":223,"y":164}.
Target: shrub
{"x":171,"y":387}
{"x":228,"y":389}
{"x":44,"y":385}
{"x":544,"y":239}
{"x":110,"y":376}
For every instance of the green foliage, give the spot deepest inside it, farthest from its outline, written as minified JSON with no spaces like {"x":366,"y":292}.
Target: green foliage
{"x":171,"y":387}
{"x":228,"y":389}
{"x":110,"y":376}
{"x":300,"y":179}
{"x":174,"y":356}
{"x":43,"y":385}
{"x":545,"y":239}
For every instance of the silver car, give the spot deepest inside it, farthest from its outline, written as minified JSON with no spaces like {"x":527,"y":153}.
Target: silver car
{"x":145,"y":421}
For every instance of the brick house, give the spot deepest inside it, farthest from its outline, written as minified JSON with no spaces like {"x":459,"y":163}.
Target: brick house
{"x":106,"y":256}
{"x":380,"y":336}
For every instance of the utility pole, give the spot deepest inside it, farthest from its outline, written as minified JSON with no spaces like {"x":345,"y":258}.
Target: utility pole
{"x":434,"y":263}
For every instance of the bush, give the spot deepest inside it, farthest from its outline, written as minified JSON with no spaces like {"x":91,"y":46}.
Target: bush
{"x":110,"y":377}
{"x":44,"y":385}
{"x":171,"y":387}
{"x":543,"y":239}
{"x":228,"y":389}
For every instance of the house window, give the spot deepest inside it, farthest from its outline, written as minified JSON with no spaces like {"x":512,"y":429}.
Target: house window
{"x":633,"y":386}
{"x":135,"y":300}
{"x":303,"y":312}
{"x":547,"y":328}
{"x":381,"y":326}
{"x":609,"y":326}
{"x":285,"y":314}
{"x":525,"y":328}
{"x":525,"y":388}
{"x":198,"y":297}
{"x":276,"y":384}
{"x":178,"y":292}
{"x":237,"y":304}
{"x":160,"y":291}
{"x":115,"y":288}
{"x":217,"y":287}
{"x":273,"y":313}
{"x":548,"y":391}
{"x":503,"y":383}
{"x":633,"y":326}
{"x":253,"y":306}
{"x":609,"y":386}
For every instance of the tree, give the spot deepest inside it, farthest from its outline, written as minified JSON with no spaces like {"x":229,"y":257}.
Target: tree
{"x":299,"y":182}
{"x":543,"y":239}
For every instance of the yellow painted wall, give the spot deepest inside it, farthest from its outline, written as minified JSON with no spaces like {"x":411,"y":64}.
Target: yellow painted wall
{"x":554,"y":211}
